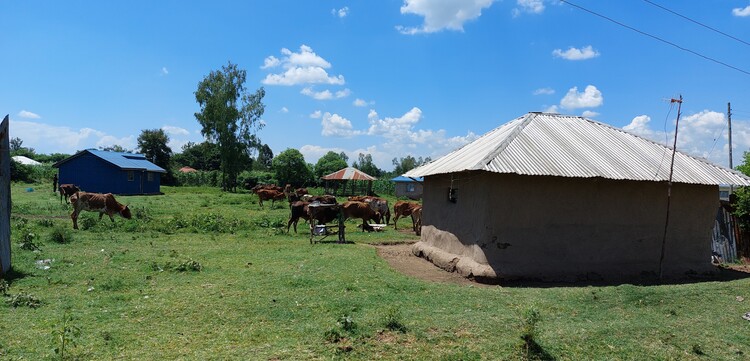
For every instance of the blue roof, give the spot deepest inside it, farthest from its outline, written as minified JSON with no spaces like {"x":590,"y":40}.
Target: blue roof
{"x":125,"y":161}
{"x":407,"y":179}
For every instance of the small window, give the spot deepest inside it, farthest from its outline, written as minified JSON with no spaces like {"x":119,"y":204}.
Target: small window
{"x":150,"y":177}
{"x":131,"y":176}
{"x":410,"y":187}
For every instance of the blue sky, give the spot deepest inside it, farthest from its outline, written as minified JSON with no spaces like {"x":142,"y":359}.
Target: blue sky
{"x":391,"y":77}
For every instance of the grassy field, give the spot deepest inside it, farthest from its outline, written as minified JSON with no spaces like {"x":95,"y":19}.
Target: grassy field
{"x":200,"y":274}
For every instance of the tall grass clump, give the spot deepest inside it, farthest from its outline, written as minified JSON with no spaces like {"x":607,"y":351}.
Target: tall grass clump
{"x":61,"y":235}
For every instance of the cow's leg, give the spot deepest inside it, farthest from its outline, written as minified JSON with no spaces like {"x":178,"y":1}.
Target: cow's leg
{"x":289,"y":224}
{"x":74,"y":217}
{"x":111,"y":217}
{"x":100,"y":216}
{"x":395,"y":220}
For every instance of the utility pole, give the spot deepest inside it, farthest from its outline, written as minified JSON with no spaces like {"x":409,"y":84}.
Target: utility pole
{"x":729,"y":120}
{"x":669,"y":185}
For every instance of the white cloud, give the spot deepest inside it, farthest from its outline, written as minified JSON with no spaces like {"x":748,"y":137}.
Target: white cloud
{"x":572,"y":53}
{"x":325,"y":94}
{"x":175,"y":131}
{"x":45,"y":138}
{"x":316,"y":114}
{"x":335,"y":125}
{"x":528,"y":6}
{"x":544,"y":91}
{"x":304,"y":67}
{"x":164,"y":71}
{"x":741,"y":11}
{"x":590,"y":98}
{"x":284,"y":110}
{"x":589,"y":114}
{"x":552,"y":109}
{"x":445,"y":14}
{"x":343,"y":93}
{"x":270,"y":62}
{"x":640,"y":126}
{"x":359,"y":102}
{"x":28,"y":115}
{"x":342,"y":13}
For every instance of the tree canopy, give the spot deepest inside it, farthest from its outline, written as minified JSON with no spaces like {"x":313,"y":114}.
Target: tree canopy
{"x":365,"y":164}
{"x":329,"y":163}
{"x":291,"y":168}
{"x":264,"y":159}
{"x":152,"y":143}
{"x":230,"y":117}
{"x":408,"y":163}
{"x":201,"y":156}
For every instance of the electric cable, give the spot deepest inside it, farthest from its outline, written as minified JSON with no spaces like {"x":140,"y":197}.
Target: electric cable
{"x":696,"y":22}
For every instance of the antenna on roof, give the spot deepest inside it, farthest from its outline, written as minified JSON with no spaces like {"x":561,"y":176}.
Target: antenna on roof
{"x":669,"y":184}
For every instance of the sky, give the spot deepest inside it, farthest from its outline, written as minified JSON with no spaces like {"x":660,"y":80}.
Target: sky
{"x":390,"y":78}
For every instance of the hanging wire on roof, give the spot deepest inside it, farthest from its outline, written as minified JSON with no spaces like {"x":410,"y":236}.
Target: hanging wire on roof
{"x":657,"y":38}
{"x":697,"y":22}
{"x":666,"y":140}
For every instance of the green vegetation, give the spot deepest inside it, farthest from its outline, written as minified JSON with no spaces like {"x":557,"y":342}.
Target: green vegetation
{"x":202,"y":274}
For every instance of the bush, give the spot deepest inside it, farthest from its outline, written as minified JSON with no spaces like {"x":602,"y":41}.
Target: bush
{"x":24,"y":300}
{"x":393,"y":322}
{"x":61,"y":235}
{"x":199,"y":178}
{"x":188,"y":265}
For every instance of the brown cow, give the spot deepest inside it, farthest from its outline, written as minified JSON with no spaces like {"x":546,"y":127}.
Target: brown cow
{"x":321,"y":213}
{"x":403,"y":209}
{"x":67,"y":190}
{"x":299,"y":210}
{"x":324,"y":199}
{"x":416,"y":220}
{"x":266,"y":187}
{"x":378,"y":204}
{"x":266,"y":194}
{"x":97,"y":202}
{"x":354,"y":209}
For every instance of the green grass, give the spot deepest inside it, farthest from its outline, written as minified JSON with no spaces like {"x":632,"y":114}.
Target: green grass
{"x":129,"y":291}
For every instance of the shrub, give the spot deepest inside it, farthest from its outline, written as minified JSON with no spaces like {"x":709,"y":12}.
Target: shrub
{"x":392,"y":320}
{"x":188,"y":265}
{"x":4,"y":287}
{"x":61,"y":235}
{"x":24,"y":300}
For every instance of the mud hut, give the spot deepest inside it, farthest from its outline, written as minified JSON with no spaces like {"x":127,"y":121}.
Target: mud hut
{"x":558,"y":197}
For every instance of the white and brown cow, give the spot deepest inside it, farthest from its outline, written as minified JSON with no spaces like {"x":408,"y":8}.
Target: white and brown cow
{"x":97,"y":202}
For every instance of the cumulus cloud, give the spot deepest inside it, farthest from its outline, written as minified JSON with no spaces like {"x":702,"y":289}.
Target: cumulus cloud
{"x":359,"y":102}
{"x":742,"y":12}
{"x":303,"y":67}
{"x":325,"y":94}
{"x":440,"y":15}
{"x":335,"y":125}
{"x":175,"y":131}
{"x":28,"y":115}
{"x":544,"y":91}
{"x":342,"y":13}
{"x":284,"y":110}
{"x":572,"y":53}
{"x":164,"y":70}
{"x":316,"y":114}
{"x":47,"y":138}
{"x":589,"y":114}
{"x":590,"y":98}
{"x":552,"y":109}
{"x":529,"y":7}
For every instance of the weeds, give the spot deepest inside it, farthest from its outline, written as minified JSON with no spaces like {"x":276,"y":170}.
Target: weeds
{"x":24,"y":300}
{"x":530,"y":347}
{"x":65,"y":335}
{"x":4,"y":287}
{"x":61,"y":235}
{"x":393,"y":320}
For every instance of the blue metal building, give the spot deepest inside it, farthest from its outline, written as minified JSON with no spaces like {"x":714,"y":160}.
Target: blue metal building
{"x":101,"y":171}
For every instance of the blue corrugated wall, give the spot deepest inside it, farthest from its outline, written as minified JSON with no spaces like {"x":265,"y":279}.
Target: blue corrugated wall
{"x":92,"y":174}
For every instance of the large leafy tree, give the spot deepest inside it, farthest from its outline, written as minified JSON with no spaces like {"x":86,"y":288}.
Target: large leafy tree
{"x":152,"y":143}
{"x":408,"y":163}
{"x":201,"y":156}
{"x":264,"y":159}
{"x":329,"y":163}
{"x":365,"y":164}
{"x":230,"y":117}
{"x":291,"y":168}
{"x":741,"y":197}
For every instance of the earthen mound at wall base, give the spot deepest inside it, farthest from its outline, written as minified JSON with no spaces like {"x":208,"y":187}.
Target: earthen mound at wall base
{"x":450,"y":262}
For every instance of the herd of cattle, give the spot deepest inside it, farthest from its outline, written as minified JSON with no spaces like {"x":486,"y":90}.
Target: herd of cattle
{"x":301,"y":204}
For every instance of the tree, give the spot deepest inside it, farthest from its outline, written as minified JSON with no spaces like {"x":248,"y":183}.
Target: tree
{"x":741,"y":197}
{"x":329,"y":163}
{"x":152,"y":143}
{"x":408,"y":163}
{"x":203,"y":156}
{"x":17,"y":148}
{"x":291,"y":168}
{"x":264,"y":159}
{"x":15,"y":144}
{"x":115,"y":148}
{"x":366,"y":165}
{"x":230,"y":117}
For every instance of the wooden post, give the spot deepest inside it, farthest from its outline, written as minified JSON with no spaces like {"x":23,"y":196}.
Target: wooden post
{"x":4,"y":198}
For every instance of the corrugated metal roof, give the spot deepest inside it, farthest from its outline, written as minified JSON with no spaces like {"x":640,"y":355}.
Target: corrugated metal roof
{"x":125,"y":161}
{"x":572,"y":146}
{"x":349,"y":174}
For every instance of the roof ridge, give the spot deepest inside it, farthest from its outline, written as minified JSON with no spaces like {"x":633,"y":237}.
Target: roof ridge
{"x":506,"y":142}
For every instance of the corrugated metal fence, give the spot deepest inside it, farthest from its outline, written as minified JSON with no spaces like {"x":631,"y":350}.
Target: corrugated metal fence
{"x":726,"y":236}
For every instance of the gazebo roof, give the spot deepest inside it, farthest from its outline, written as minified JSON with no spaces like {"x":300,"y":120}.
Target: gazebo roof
{"x":349,"y":173}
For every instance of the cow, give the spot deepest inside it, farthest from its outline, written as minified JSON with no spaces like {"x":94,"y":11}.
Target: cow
{"x":67,"y":190}
{"x":299,"y":210}
{"x":269,"y":194}
{"x":324,"y":199}
{"x":294,"y":195}
{"x":258,"y":187}
{"x":403,"y":209}
{"x":97,"y":202}
{"x":416,"y":220}
{"x":378,"y":204}
{"x":354,"y":209}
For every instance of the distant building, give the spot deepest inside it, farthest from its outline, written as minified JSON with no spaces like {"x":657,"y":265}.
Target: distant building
{"x":101,"y":171}
{"x":408,"y":187}
{"x":348,"y":181}
{"x":187,"y":170}
{"x":25,"y":160}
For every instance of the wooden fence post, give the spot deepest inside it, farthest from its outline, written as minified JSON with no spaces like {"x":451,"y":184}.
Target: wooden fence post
{"x":4,"y":198}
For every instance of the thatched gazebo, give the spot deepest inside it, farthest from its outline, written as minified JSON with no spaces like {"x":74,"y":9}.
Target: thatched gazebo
{"x":348,"y":182}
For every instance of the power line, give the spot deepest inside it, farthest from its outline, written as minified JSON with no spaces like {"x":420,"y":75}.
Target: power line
{"x":657,"y":38}
{"x":696,"y":22}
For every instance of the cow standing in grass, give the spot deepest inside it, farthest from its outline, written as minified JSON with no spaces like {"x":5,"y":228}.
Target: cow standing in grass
{"x":403,"y":209}
{"x":362,"y":210}
{"x":299,"y":210}
{"x":67,"y":190}
{"x":97,"y":202}
{"x":269,"y":194}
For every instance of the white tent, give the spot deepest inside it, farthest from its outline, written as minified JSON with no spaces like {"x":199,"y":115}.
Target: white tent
{"x":25,"y":160}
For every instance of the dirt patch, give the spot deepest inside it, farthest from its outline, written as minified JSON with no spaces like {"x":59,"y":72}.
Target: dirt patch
{"x":399,"y":256}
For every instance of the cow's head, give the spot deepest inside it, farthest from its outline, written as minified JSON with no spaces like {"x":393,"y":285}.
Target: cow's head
{"x":125,"y":212}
